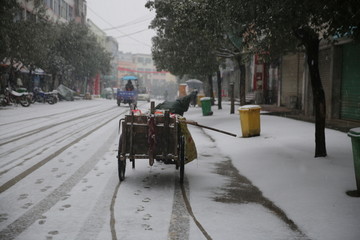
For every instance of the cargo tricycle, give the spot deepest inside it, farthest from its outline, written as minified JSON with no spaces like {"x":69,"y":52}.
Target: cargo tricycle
{"x":128,"y":96}
{"x":152,"y":137}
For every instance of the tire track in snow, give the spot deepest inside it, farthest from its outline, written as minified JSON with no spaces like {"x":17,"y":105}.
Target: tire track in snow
{"x":30,"y":170}
{"x":38,"y":130}
{"x":112,"y":213}
{"x":35,"y":153}
{"x":180,"y":221}
{"x":189,"y":209}
{"x":97,"y":219}
{"x":37,"y":211}
{"x":45,"y":116}
{"x":181,"y":213}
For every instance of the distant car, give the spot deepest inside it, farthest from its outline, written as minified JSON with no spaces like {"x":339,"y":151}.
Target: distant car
{"x":108,"y":93}
{"x":143,"y":95}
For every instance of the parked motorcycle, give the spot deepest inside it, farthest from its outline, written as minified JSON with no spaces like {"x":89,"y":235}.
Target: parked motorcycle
{"x":41,"y":96}
{"x":10,"y":96}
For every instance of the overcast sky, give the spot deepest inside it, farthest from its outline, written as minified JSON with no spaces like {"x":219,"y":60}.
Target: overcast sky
{"x":125,"y":20}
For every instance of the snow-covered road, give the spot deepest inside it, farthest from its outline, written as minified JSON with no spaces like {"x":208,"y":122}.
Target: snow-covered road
{"x":46,"y":153}
{"x":58,"y":180}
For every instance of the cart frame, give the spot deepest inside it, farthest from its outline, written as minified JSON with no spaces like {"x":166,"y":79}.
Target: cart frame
{"x":153,"y":137}
{"x":125,"y":97}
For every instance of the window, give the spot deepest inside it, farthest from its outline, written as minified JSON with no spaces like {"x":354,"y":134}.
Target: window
{"x":70,"y":13}
{"x":57,"y":7}
{"x":49,"y":3}
{"x":63,"y":9}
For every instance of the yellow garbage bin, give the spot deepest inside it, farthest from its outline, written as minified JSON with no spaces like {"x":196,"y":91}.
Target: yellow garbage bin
{"x":250,"y":120}
{"x":199,"y":97}
{"x":182,"y":90}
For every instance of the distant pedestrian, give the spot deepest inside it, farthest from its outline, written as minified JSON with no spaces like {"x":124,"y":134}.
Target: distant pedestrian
{"x":194,"y":98}
{"x":129,"y":86}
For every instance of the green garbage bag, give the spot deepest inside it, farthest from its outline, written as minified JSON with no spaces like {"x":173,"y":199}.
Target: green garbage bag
{"x":179,"y":106}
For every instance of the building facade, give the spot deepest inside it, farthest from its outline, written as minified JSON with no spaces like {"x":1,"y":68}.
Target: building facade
{"x":59,"y":10}
{"x":111,"y":46}
{"x":98,"y":33}
{"x":142,"y":66}
{"x":286,"y":82}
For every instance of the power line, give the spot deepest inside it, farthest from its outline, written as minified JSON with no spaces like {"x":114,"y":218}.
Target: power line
{"x":132,"y":33}
{"x":128,"y":24}
{"x":145,"y":44}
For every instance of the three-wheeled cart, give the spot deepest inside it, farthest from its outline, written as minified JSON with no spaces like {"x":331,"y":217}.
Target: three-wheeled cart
{"x":152,"y":137}
{"x":128,"y":97}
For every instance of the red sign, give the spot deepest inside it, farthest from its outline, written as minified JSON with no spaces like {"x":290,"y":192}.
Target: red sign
{"x":259,"y":75}
{"x":97,"y":84}
{"x":131,"y":70}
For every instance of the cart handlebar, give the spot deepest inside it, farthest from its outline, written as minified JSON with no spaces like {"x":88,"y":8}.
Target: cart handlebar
{"x":210,"y":128}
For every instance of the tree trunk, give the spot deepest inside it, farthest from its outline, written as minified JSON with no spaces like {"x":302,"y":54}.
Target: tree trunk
{"x":53,"y":79}
{"x":211,"y":89}
{"x":311,"y":43}
{"x":29,"y":83}
{"x":61,"y":79}
{"x":232,"y":100}
{"x":241,"y":80}
{"x":242,"y":85}
{"x":219,"y":80}
{"x":11,"y":80}
{"x":86,"y":84}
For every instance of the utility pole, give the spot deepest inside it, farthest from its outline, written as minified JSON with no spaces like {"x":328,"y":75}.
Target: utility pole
{"x":232,"y":98}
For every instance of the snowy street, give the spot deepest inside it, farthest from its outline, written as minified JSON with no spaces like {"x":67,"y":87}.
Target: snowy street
{"x":59,"y":180}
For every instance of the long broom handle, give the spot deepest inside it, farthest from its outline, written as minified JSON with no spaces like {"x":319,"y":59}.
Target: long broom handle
{"x":214,"y":129}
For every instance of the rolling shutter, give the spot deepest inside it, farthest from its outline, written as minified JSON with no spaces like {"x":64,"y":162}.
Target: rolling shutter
{"x":350,"y":85}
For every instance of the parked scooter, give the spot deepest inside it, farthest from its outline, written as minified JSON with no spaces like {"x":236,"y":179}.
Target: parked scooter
{"x":10,"y":96}
{"x":41,"y":96}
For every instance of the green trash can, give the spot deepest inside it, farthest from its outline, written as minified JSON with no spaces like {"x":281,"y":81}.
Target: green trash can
{"x":206,"y":106}
{"x":354,"y":133}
